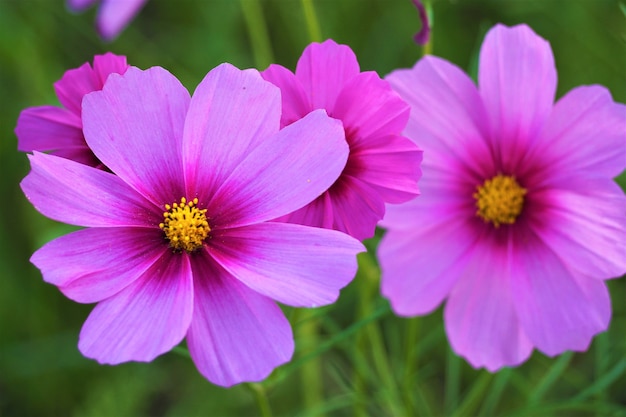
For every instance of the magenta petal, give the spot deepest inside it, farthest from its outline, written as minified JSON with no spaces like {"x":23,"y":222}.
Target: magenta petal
{"x":448,"y":119}
{"x":295,"y":103}
{"x":585,"y":135}
{"x":93,"y":264}
{"x":480,"y":316}
{"x":517,"y":79}
{"x":48,"y":128}
{"x":78,"y":5}
{"x":368,"y":107}
{"x":73,"y":86}
{"x":135,"y":127}
{"x":557,"y":310}
{"x":323,"y":69}
{"x":77,"y":194}
{"x":107,"y":64}
{"x":283,"y":261}
{"x":392,"y":168}
{"x":147,"y":318}
{"x":318,"y":213}
{"x":231,"y":112}
{"x":114,"y":16}
{"x":283,"y":173}
{"x":236,"y":334}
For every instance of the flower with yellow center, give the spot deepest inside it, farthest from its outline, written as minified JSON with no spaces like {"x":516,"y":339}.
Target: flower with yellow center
{"x":185,"y":225}
{"x":499,"y":200}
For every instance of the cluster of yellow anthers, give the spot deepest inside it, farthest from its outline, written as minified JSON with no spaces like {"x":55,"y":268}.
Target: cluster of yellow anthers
{"x":185,"y":225}
{"x":500,"y":200}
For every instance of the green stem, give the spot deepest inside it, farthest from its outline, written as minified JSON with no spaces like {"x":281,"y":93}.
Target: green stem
{"x":257,"y":31}
{"x":428,"y":48}
{"x":307,"y":333}
{"x":312,"y":24}
{"x":260,"y":396}
{"x":452,"y":382}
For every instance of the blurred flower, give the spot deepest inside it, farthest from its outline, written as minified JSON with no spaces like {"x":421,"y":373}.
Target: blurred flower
{"x":60,"y":129}
{"x":178,"y":241}
{"x":423,"y":36}
{"x":382,"y":167}
{"x":520,"y":221}
{"x":113,"y":15}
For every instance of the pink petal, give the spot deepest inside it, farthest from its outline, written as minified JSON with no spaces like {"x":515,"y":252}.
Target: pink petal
{"x":236,"y":335}
{"x":585,"y":227}
{"x":93,"y":264}
{"x":557,"y":310}
{"x":420,"y":265}
{"x":323,"y":69}
{"x":282,"y":261}
{"x":369,"y":108}
{"x":47,"y":128}
{"x":114,"y":16}
{"x":107,"y":64}
{"x":231,"y":112}
{"x":517,"y":79}
{"x":480,"y":316}
{"x":147,"y":318}
{"x":448,"y":119}
{"x":73,"y":86}
{"x":135,"y":127}
{"x":318,"y":213}
{"x":585,"y":135}
{"x":392,"y":167}
{"x":295,"y":103}
{"x":77,"y":194}
{"x":276,"y":178}
{"x":79,"y":5}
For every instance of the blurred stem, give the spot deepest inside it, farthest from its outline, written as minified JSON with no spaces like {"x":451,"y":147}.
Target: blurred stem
{"x":261,"y":398}
{"x":257,"y":31}
{"x":410,"y":360}
{"x":368,"y":284}
{"x":307,"y":333}
{"x":427,"y":49}
{"x":312,"y":24}
{"x":453,"y":382}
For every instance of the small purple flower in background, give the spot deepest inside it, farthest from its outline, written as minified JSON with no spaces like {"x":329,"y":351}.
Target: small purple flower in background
{"x":383,"y":166}
{"x":113,"y":15}
{"x":423,"y":36}
{"x":519,"y":221}
{"x":60,"y":129}
{"x":178,"y":239}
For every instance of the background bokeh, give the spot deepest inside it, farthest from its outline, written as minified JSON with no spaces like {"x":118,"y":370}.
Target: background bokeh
{"x":366,"y":360}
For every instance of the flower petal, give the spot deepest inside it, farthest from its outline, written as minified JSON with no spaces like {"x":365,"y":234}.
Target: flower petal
{"x":283,"y":173}
{"x":78,"y":5}
{"x":135,"y":127}
{"x":236,"y":335}
{"x":283,"y":261}
{"x":295,"y":103}
{"x":323,"y":69}
{"x":231,"y":112}
{"x":114,"y":16}
{"x":147,"y":318}
{"x":480,"y":316}
{"x":77,"y":194}
{"x":558,"y":310}
{"x":392,"y":167}
{"x":517,"y":79}
{"x":368,"y":107}
{"x":448,"y":119}
{"x":585,"y":227}
{"x":585,"y":135}
{"x":47,"y":128}
{"x":93,"y":264}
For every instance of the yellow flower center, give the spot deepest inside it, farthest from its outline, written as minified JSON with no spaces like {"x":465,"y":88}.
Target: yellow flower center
{"x":185,"y":225}
{"x":499,"y":200}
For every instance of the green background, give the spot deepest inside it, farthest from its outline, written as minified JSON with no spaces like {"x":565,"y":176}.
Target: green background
{"x":366,"y":360}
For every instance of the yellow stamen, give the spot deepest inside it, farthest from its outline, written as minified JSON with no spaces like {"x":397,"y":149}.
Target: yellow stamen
{"x":499,"y":200}
{"x":185,"y":225}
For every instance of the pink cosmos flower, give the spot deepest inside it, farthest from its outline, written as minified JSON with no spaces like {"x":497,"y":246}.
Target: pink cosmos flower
{"x":113,"y":15}
{"x":520,"y":221}
{"x":178,"y":242}
{"x":60,"y":129}
{"x":383,"y":167}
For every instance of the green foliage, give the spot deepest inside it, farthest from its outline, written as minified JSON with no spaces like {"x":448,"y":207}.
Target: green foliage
{"x":370,"y":361}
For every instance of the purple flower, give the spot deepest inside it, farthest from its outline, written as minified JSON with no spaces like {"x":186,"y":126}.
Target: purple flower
{"x":113,"y":15}
{"x":383,"y":167}
{"x":60,"y":129}
{"x":520,"y":221}
{"x":178,"y":240}
{"x":423,"y":36}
